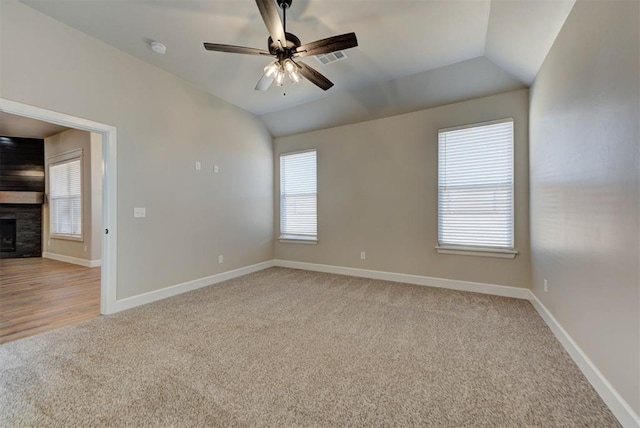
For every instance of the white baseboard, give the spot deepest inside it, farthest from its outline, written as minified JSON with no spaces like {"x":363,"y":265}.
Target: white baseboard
{"x":72,"y":260}
{"x":477,"y":287}
{"x":618,"y":406}
{"x":163,"y":293}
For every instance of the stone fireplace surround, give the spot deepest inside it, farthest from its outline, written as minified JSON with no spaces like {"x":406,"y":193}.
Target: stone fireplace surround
{"x":21,"y":190}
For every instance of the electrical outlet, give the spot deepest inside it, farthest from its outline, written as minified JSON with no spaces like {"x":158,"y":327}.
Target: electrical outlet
{"x":546,"y":285}
{"x":363,"y":255}
{"x":139,"y":212}
{"x":220,"y":259}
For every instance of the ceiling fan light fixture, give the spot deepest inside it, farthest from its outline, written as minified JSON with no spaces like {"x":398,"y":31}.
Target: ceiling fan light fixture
{"x":279,"y":78}
{"x":289,"y":66}
{"x":280,"y":69}
{"x":271,"y":69}
{"x":291,"y":69}
{"x":294,"y":77}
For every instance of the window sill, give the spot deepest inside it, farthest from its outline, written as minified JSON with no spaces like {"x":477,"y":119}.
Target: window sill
{"x":67,"y":237}
{"x":293,"y":239}
{"x":479,"y":252}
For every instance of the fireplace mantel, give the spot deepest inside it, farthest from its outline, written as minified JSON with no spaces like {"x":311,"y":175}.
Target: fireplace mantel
{"x":14,"y":197}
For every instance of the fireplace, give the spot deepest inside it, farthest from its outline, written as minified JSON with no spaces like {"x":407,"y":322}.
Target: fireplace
{"x":8,"y":235}
{"x":21,"y":230}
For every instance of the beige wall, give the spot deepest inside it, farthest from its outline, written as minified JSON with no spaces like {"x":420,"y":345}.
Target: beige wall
{"x":164,"y":125}
{"x":585,"y":143}
{"x":377,"y":192}
{"x":90,"y":246}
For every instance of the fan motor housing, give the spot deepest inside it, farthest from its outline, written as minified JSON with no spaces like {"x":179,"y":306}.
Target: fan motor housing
{"x":293,"y":42}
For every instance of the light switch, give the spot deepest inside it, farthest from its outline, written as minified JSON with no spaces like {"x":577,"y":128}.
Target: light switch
{"x":139,"y":212}
{"x":198,"y":166}
{"x":215,"y":168}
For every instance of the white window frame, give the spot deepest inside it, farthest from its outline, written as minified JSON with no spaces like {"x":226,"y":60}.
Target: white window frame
{"x":288,"y":236}
{"x":67,"y":157}
{"x":470,"y":249}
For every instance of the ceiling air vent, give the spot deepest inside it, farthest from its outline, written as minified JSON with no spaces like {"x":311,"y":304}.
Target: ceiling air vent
{"x":326,"y":59}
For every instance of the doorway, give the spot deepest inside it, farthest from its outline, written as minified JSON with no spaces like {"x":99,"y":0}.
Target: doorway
{"x":109,"y":182}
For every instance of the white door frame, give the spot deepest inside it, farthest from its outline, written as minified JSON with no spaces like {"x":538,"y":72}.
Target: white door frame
{"x":109,"y":189}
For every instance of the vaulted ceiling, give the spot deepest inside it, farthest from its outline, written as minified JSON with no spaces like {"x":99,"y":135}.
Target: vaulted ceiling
{"x":412,"y":54}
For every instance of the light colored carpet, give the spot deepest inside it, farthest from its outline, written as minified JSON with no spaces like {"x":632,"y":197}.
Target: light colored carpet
{"x":285,"y":347}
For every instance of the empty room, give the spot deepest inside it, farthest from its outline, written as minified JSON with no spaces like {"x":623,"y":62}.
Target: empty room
{"x":323,"y":213}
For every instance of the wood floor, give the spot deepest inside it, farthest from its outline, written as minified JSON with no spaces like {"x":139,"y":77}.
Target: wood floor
{"x":37,"y":295}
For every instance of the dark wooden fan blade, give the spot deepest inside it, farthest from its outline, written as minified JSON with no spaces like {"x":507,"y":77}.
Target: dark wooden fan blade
{"x":269,"y":12}
{"x":234,"y":49}
{"x":328,"y":45}
{"x":314,"y":77}
{"x":264,"y":83}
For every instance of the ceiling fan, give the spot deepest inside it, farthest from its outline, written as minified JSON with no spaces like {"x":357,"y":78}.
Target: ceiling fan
{"x":286,"y":47}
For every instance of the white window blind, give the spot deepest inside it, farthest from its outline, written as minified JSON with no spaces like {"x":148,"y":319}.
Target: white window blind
{"x":475,"y":186}
{"x":65,"y":198}
{"x":298,"y":196}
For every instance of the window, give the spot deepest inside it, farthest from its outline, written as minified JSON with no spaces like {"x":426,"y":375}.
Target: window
{"x":65,"y":196}
{"x":475,"y":189}
{"x":298,"y":196}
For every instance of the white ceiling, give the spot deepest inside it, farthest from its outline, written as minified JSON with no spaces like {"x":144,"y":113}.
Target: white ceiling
{"x":24,"y":127}
{"x":398,"y":39}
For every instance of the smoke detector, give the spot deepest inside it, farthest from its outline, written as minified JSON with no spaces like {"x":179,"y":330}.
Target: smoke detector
{"x":158,"y":48}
